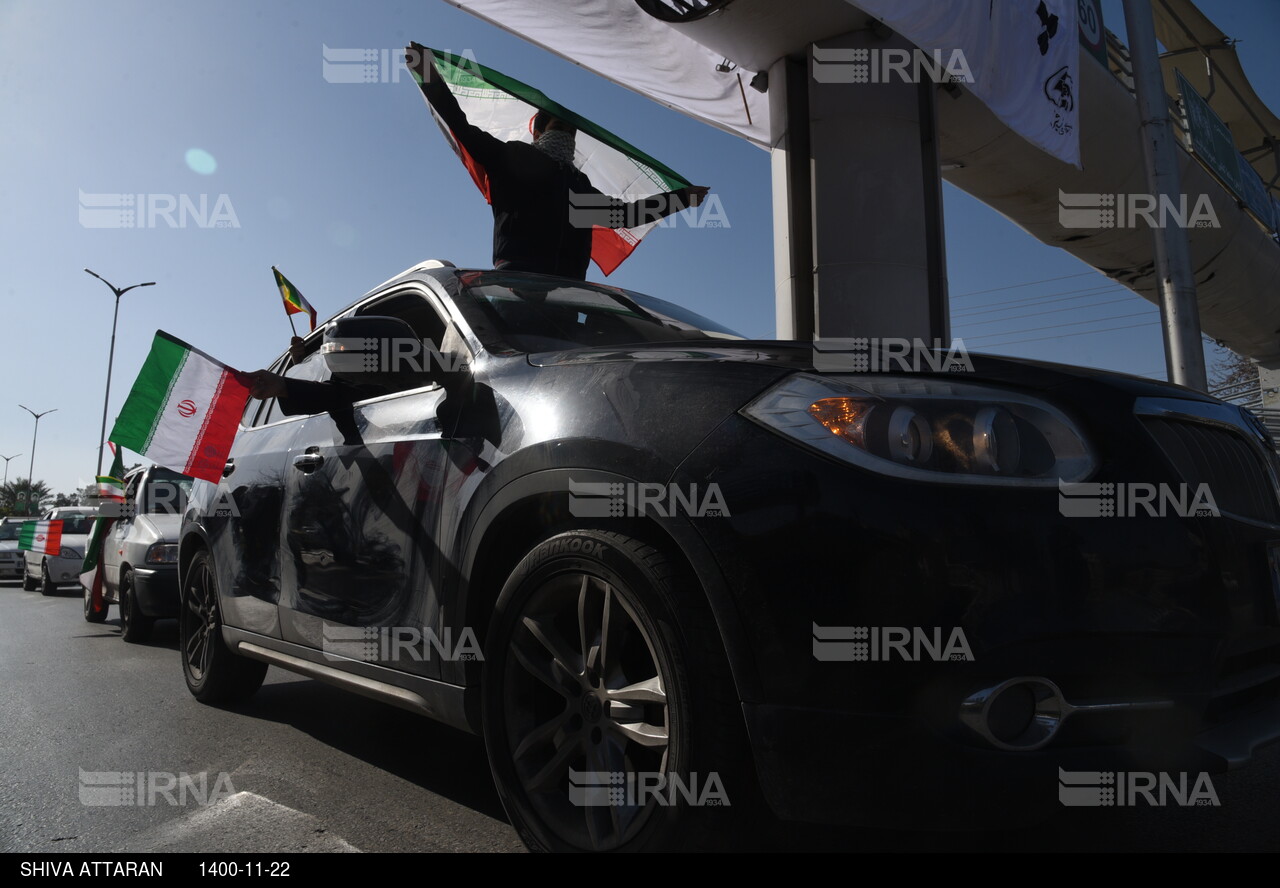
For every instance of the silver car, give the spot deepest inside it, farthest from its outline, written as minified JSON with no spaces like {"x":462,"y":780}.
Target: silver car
{"x":10,"y":557}
{"x":48,"y":572}
{"x":140,"y":554}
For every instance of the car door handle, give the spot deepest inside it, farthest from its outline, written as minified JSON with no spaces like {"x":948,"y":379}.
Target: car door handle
{"x":228,"y":468}
{"x":308,"y":462}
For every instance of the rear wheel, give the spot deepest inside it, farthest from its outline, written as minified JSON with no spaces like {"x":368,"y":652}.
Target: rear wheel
{"x":213,"y":673}
{"x":29,"y":584}
{"x":610,"y":718}
{"x":95,"y":614}
{"x":46,"y":582}
{"x":135,"y":626}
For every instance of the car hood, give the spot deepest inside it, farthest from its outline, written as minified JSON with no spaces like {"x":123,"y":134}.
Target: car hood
{"x":783,"y":355}
{"x":163,"y":528}
{"x":8,"y":545}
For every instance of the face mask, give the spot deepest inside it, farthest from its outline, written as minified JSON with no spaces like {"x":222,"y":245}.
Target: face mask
{"x":556,"y":144}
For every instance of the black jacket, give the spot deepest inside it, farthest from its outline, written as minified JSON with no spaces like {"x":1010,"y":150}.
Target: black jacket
{"x":536,"y":225}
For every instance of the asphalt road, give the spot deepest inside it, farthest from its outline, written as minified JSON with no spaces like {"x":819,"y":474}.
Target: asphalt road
{"x":311,"y":768}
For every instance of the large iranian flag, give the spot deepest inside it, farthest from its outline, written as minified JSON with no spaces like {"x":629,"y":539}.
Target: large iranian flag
{"x":44,"y":537}
{"x":183,"y":410}
{"x":505,"y":107}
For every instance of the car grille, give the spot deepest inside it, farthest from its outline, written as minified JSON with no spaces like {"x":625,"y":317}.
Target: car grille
{"x":1234,"y":471}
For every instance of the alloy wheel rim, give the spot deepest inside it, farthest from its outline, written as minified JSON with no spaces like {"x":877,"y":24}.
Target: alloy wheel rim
{"x":200,"y":620}
{"x":586,"y":710}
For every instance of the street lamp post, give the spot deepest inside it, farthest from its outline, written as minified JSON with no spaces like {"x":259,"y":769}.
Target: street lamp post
{"x":111,"y":357}
{"x":31,"y":469}
{"x":6,"y":466}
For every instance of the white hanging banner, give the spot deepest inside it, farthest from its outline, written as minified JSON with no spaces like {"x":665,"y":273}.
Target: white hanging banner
{"x":1023,"y":58}
{"x":622,"y":43}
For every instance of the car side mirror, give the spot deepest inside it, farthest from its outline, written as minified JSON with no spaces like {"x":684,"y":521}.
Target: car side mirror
{"x":374,"y":349}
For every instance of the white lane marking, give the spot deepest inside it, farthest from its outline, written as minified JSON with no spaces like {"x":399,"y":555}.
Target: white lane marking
{"x":244,"y":823}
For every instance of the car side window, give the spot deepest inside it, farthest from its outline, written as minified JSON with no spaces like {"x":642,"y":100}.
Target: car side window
{"x":131,"y":491}
{"x":440,"y":342}
{"x":412,"y":307}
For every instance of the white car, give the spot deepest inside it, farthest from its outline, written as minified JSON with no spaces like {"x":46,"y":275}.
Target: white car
{"x":48,"y":572}
{"x":10,"y":557}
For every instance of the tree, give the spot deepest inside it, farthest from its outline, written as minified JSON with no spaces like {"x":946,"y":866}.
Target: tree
{"x":13,"y":497}
{"x":1233,"y":376}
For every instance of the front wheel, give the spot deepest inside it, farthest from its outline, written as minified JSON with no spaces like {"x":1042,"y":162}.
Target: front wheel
{"x":135,"y":626}
{"x":29,"y":584}
{"x":213,"y":673}
{"x":46,"y":582}
{"x":610,"y":719}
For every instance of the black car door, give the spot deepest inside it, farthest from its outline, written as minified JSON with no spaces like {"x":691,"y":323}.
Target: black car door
{"x":242,"y":516}
{"x":361,"y":515}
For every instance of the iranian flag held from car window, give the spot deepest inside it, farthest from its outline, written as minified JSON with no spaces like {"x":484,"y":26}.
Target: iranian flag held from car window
{"x":43,"y":537}
{"x":504,"y":108}
{"x":183,"y":410}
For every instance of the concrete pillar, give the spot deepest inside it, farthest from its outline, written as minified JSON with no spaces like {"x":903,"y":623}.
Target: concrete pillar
{"x":867,"y":205}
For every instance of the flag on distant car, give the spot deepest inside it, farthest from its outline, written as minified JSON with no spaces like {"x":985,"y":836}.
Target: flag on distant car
{"x":293,"y":301}
{"x":505,"y":108}
{"x":183,"y":410}
{"x":111,"y":485}
{"x":44,"y":537}
{"x":111,"y":489}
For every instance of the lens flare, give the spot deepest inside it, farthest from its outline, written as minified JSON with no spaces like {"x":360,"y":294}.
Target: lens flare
{"x":201,"y":161}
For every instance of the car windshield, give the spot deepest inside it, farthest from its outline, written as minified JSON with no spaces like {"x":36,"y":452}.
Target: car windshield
{"x":167,"y":493}
{"x":532,"y":313}
{"x":75,"y":523}
{"x":10,"y":531}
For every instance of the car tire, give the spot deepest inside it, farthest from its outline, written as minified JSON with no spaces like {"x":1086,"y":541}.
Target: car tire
{"x":213,"y":673}
{"x":95,"y":614}
{"x":135,"y":626}
{"x":28,"y":584}
{"x":47,"y":588}
{"x":655,"y":698}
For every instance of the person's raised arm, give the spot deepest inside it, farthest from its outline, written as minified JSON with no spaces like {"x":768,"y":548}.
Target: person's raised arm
{"x":615,"y":213}
{"x":479,"y":144}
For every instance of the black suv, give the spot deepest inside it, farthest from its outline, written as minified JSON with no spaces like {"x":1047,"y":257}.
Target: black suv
{"x":684,"y":582}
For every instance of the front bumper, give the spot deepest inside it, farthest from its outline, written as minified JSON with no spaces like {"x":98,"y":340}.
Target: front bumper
{"x":1178,"y":612}
{"x":157,"y":590}
{"x":64,"y":571}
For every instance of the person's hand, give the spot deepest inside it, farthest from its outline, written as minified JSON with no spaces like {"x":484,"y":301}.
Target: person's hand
{"x":417,"y":59}
{"x":697,"y":194}
{"x":297,"y":350}
{"x":264,"y":384}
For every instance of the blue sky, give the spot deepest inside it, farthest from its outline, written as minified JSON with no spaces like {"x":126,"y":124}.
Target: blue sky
{"x":344,"y":185}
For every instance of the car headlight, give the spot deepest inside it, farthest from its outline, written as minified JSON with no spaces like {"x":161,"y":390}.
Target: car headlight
{"x":162,"y":553}
{"x":929,"y":429}
{"x":68,"y":552}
